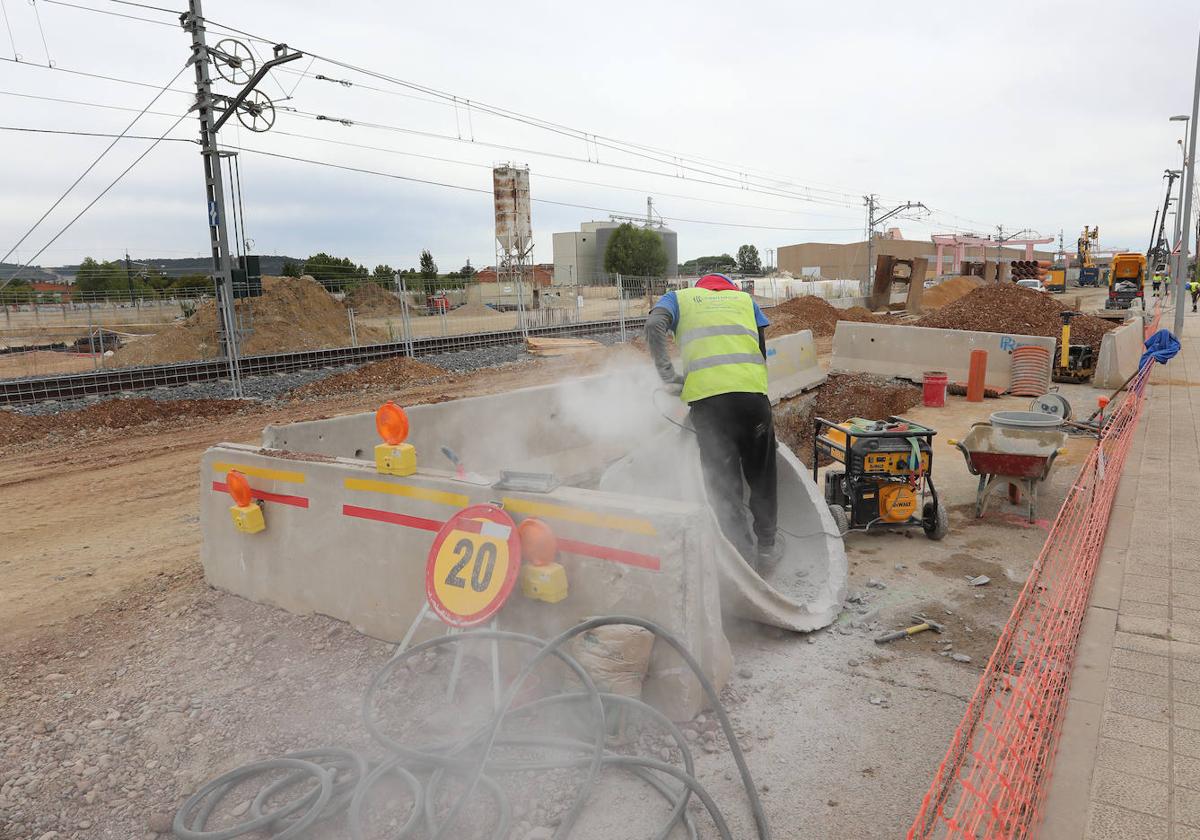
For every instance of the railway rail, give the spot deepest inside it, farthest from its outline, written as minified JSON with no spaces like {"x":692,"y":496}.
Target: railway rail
{"x":100,"y":382}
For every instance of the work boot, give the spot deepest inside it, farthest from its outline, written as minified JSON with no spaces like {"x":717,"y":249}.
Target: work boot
{"x":769,"y":555}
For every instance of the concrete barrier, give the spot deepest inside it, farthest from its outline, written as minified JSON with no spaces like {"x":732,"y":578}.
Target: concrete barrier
{"x":1120,"y":351}
{"x":907,"y":352}
{"x":347,"y":542}
{"x":344,"y":541}
{"x":792,"y":365}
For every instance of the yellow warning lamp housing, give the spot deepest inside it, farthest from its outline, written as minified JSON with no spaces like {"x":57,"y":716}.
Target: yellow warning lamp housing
{"x":393,"y":456}
{"x":247,"y":515}
{"x":542,"y":578}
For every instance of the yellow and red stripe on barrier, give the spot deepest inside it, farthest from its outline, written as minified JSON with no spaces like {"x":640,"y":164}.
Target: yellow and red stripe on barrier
{"x":992,"y":782}
{"x":287,"y":476}
{"x":542,"y":509}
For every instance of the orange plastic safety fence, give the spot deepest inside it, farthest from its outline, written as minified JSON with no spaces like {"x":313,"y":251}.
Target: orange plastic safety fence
{"x":993,"y":780}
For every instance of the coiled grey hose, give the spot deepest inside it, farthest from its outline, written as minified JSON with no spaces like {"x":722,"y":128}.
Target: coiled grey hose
{"x":471,"y":759}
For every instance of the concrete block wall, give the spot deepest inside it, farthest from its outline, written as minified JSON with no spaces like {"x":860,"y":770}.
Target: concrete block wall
{"x":347,"y":542}
{"x":907,"y":352}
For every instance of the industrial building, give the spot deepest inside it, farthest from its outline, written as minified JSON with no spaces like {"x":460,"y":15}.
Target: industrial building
{"x":835,"y":261}
{"x":579,"y":255}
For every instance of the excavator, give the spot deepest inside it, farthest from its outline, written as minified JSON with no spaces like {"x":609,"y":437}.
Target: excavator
{"x":1089,"y":272}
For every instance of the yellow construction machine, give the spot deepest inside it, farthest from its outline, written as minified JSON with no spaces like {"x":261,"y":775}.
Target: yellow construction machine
{"x":1126,"y":283}
{"x":1089,"y":273}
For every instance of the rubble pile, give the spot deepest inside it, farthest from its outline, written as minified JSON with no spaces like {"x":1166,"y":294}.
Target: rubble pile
{"x":1012,"y":309}
{"x":111,"y":414}
{"x":841,"y":397}
{"x":816,"y":314}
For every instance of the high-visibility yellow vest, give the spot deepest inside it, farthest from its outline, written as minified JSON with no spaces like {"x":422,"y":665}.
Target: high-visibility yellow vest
{"x":718,"y":339}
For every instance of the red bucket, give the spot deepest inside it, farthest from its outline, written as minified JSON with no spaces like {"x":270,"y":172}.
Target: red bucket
{"x":933,"y":392}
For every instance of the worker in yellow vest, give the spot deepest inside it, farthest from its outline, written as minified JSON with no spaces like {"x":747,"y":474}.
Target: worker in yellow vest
{"x":721,"y":336}
{"x":1194,"y":288}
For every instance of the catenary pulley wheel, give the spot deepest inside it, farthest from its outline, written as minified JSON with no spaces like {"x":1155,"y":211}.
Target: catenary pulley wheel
{"x":234,"y":61}
{"x":256,"y":112}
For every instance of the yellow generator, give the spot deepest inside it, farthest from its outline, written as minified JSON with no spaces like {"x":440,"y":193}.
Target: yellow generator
{"x":886,"y":477}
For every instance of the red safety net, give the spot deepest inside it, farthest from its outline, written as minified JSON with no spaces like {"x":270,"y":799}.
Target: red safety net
{"x":993,"y":780}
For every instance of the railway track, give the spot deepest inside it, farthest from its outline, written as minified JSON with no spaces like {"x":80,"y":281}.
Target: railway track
{"x":99,"y":382}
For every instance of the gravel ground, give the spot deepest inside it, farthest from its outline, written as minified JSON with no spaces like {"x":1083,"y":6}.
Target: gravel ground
{"x":274,"y":386}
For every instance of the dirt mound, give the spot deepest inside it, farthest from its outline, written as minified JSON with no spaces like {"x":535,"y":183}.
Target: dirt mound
{"x":292,"y":314}
{"x":111,"y":414}
{"x":372,"y":300}
{"x":1012,"y":309}
{"x":383,"y":375}
{"x":841,"y":397}
{"x":816,"y":314}
{"x":949,"y":291}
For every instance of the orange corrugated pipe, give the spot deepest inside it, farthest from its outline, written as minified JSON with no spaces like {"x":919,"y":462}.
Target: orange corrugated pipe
{"x":976,"y":375}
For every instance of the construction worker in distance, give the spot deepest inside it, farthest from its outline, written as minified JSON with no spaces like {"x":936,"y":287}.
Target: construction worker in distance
{"x":1156,"y":283}
{"x":1194,"y":288}
{"x":721,"y":336}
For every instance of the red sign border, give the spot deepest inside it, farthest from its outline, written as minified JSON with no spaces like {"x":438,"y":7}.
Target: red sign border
{"x":456,"y":523}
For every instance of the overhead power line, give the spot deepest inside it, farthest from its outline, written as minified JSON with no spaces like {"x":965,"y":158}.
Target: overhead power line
{"x":543,"y":175}
{"x":93,"y":134}
{"x":737,"y":174}
{"x":463,"y":188}
{"x":92,"y":203}
{"x":93,"y":164}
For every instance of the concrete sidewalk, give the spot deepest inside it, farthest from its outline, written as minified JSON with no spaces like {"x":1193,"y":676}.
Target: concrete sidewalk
{"x":1128,"y":765}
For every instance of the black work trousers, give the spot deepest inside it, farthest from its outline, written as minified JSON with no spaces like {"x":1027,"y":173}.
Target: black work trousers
{"x":736,"y":433}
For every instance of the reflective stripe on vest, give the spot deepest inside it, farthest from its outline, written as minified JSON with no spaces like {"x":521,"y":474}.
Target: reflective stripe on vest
{"x":718,"y":337}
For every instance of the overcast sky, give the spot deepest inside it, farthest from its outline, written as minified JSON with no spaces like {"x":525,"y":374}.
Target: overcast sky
{"x":1047,"y":115}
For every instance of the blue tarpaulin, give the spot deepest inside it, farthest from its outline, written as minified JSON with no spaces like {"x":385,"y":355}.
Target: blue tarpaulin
{"x":1162,"y":347}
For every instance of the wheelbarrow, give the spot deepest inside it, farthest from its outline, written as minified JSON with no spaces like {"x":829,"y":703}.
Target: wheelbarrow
{"x":1019,"y":459}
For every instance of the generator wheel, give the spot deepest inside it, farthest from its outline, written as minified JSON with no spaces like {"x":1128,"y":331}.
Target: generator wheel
{"x":936,"y":521}
{"x":840,"y":519}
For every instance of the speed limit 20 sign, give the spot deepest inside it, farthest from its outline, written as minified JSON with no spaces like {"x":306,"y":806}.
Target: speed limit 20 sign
{"x":472,"y":565}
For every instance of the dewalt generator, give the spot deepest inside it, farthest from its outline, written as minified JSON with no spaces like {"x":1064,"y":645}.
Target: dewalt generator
{"x":886,"y":480}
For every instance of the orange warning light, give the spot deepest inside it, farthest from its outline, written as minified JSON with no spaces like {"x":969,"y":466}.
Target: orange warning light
{"x":1102,"y":402}
{"x":392,"y":423}
{"x":539,"y":545}
{"x":239,"y":488}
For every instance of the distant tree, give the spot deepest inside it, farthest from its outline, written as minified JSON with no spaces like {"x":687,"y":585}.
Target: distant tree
{"x":708,"y":265}
{"x":291,"y":268}
{"x":467,"y":271}
{"x":383,"y":272}
{"x":635,"y":251}
{"x":748,"y":261}
{"x":429,"y":269}
{"x":333,"y":272}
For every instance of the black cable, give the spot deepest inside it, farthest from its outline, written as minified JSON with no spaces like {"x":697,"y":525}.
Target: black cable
{"x":392,"y":175}
{"x":92,"y":166}
{"x":8,"y":26}
{"x":111,"y":14}
{"x":471,"y":758}
{"x":91,"y":203}
{"x":38,"y":17}
{"x":78,"y":102}
{"x":94,"y":134}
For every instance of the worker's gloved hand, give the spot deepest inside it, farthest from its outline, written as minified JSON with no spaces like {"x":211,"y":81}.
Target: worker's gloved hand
{"x":675,"y":386}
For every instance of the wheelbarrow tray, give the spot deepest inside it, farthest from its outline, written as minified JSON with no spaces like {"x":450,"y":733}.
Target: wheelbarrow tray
{"x":1016,"y":458}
